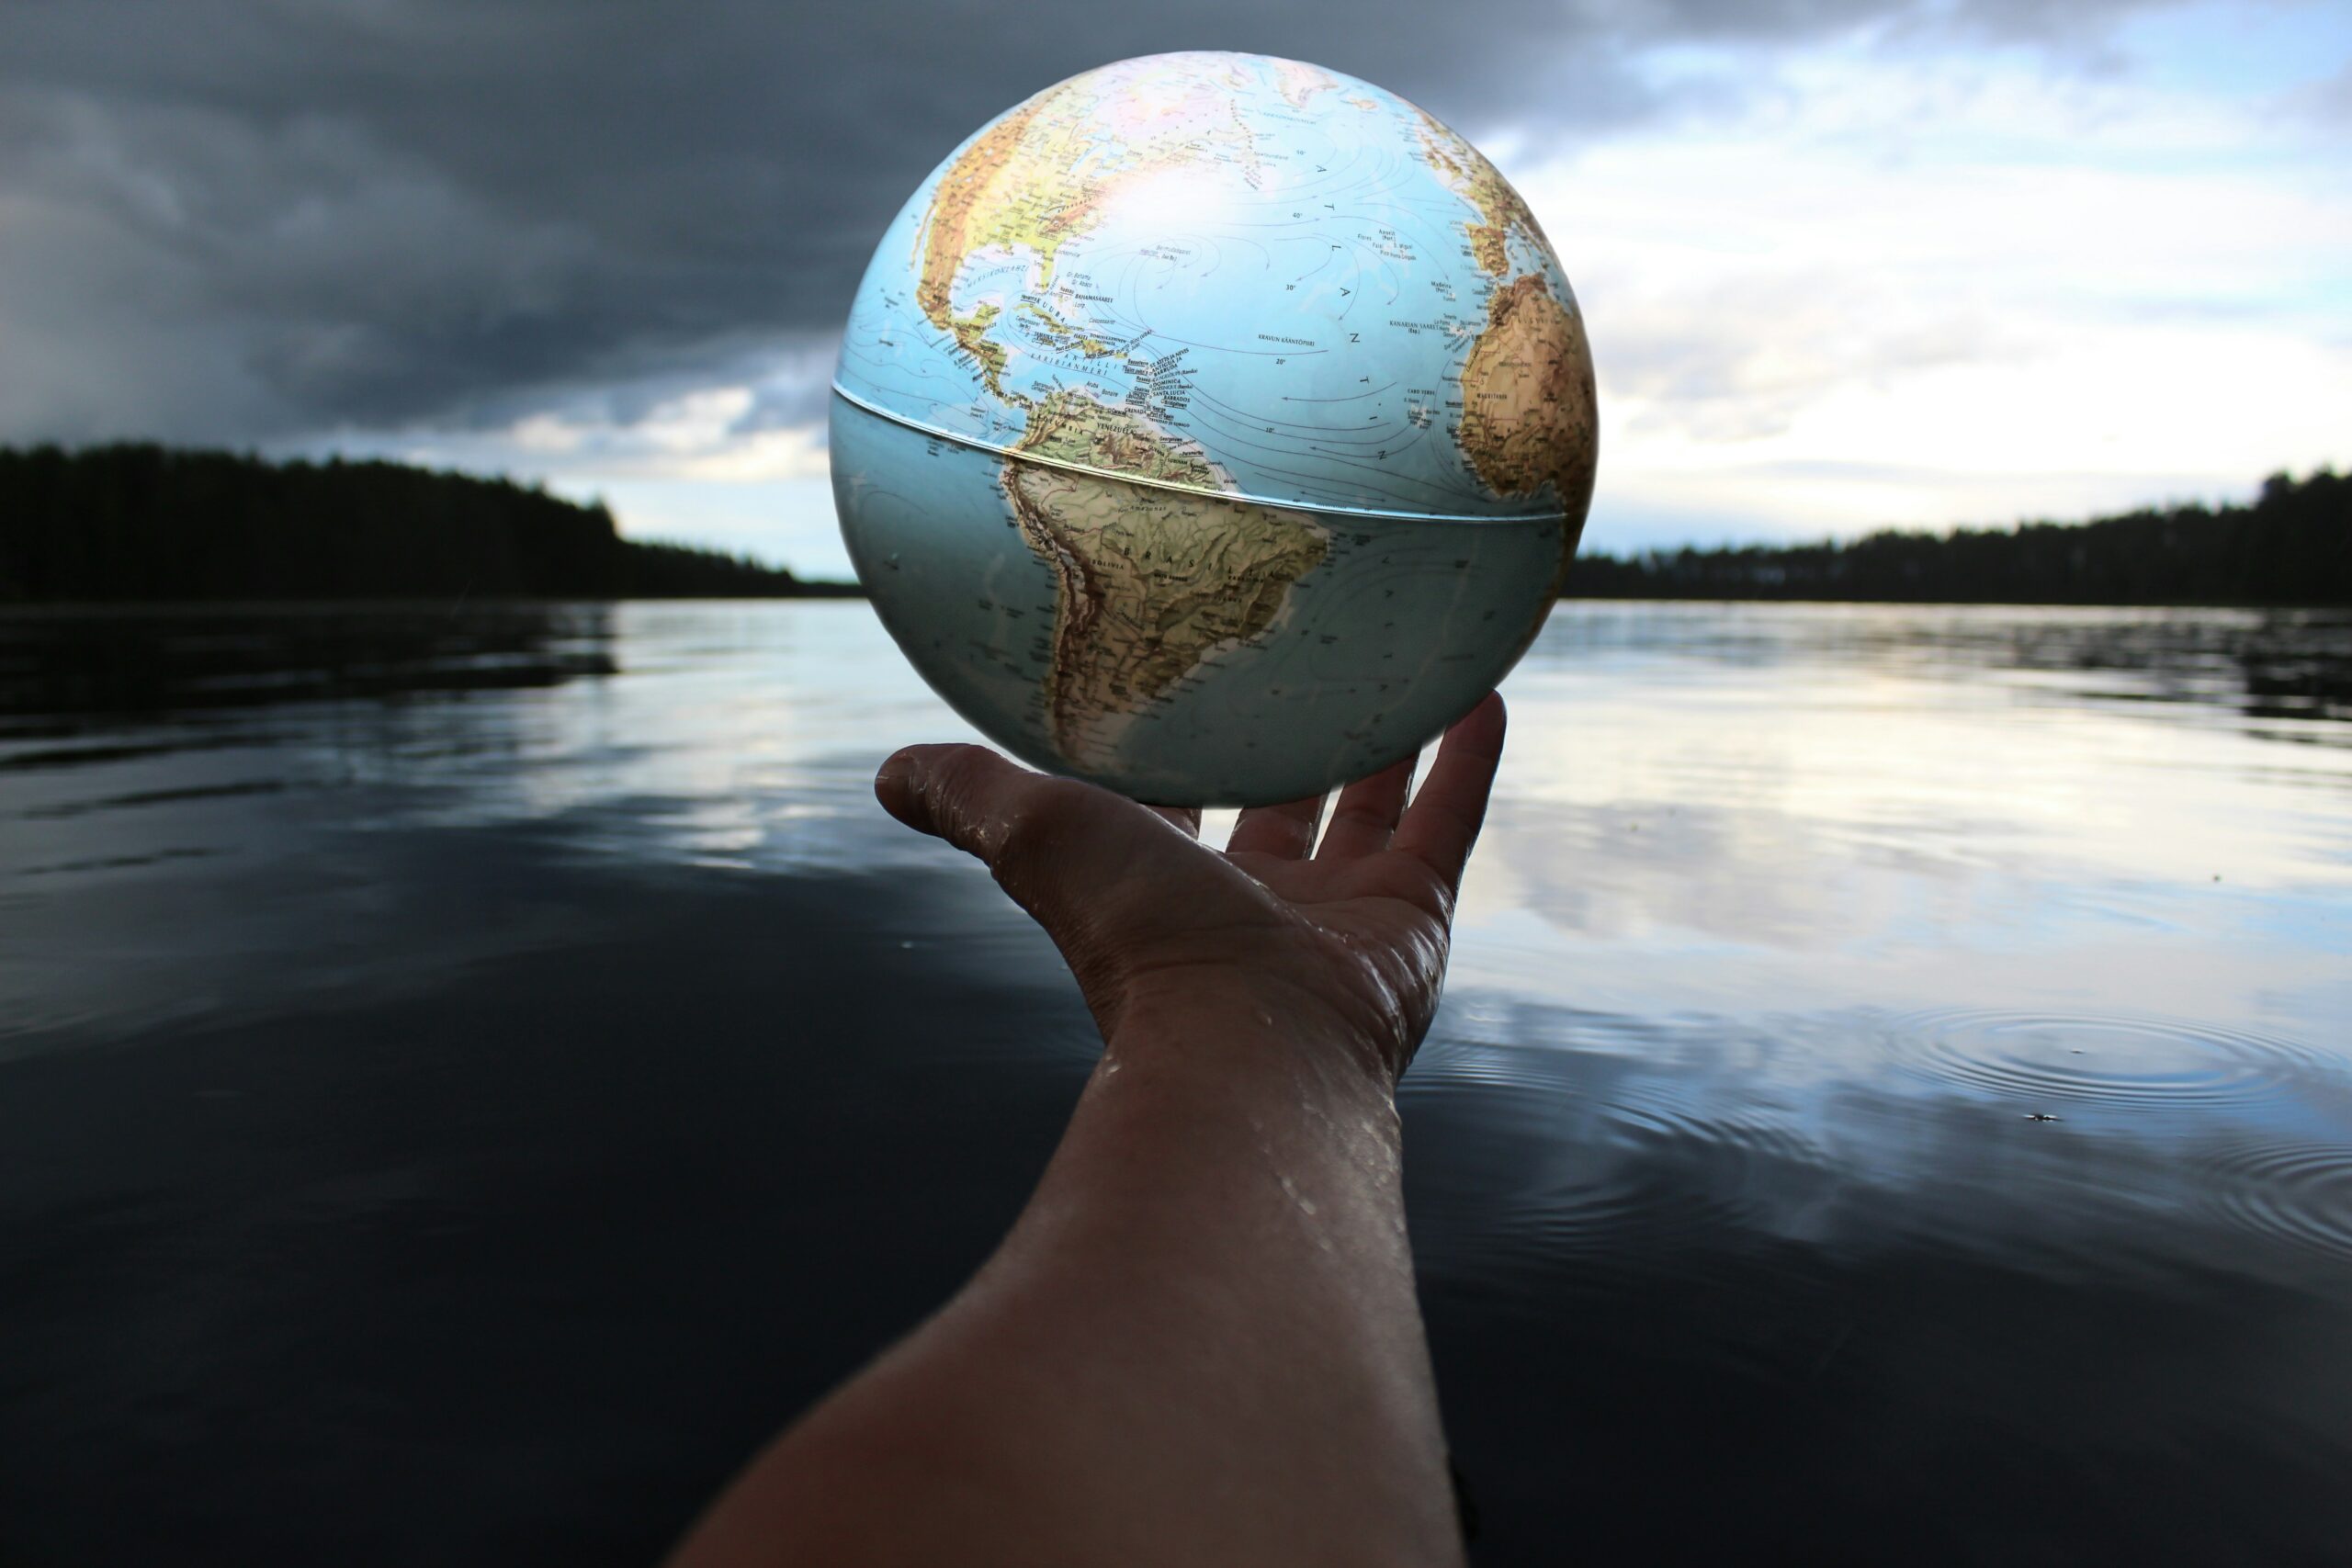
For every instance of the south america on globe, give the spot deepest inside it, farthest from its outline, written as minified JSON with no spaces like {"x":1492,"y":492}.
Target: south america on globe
{"x":1214,"y":427}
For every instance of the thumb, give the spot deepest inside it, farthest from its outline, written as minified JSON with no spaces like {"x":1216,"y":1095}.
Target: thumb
{"x":966,"y":795}
{"x":1099,"y":872}
{"x":1047,"y":840}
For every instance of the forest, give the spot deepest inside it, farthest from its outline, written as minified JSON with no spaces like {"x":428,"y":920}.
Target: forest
{"x":2290,"y":546}
{"x":144,"y":523}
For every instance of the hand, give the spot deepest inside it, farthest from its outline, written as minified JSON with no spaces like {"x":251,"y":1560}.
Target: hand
{"x":1349,"y":940}
{"x":1210,"y":1294}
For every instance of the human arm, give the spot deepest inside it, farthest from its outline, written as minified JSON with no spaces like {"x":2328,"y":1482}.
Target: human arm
{"x":1199,"y":1344}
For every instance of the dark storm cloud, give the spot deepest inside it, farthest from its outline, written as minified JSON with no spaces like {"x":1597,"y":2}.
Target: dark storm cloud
{"x":233,"y":219}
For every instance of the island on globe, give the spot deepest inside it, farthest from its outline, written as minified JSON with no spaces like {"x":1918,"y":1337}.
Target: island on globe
{"x":1214,"y":427}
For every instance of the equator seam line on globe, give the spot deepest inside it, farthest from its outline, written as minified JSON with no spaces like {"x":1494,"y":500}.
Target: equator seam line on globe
{"x":1147,"y":482}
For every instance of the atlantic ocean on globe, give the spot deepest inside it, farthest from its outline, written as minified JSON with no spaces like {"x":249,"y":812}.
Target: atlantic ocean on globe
{"x":1214,"y":427}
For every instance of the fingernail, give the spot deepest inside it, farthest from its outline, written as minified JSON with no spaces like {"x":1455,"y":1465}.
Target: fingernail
{"x":899,"y":785}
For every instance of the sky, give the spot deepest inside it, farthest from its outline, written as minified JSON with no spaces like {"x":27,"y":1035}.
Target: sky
{"x":1845,"y":263}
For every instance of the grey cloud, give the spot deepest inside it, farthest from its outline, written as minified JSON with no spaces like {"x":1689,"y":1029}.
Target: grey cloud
{"x":248,"y":220}
{"x":2330,"y":100}
{"x":1699,"y":367}
{"x":794,"y":394}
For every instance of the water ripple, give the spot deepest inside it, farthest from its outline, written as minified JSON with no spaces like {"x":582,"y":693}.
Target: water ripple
{"x":1671,"y":1178}
{"x":2297,"y":1193}
{"x":2039,"y":1058}
{"x":1537,"y":1158}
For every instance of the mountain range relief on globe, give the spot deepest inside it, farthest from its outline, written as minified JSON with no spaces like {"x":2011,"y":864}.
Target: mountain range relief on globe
{"x":1214,"y":427}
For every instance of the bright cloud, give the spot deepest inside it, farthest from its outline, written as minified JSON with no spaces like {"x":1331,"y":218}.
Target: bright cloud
{"x":1924,"y":292}
{"x":738,"y":464}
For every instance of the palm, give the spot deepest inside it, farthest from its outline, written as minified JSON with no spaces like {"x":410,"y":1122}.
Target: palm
{"x":1356,"y":925}
{"x":1367,"y":936}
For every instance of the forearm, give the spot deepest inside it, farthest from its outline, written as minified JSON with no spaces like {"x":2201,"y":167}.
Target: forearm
{"x":1199,"y":1344}
{"x":1229,"y":1193}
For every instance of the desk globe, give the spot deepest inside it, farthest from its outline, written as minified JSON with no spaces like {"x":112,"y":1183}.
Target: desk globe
{"x":1214,"y":427}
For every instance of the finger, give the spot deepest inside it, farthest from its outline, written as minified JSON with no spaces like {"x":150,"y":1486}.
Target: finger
{"x":1367,"y":813}
{"x":1035,"y":833}
{"x":1286,"y":831}
{"x":1444,"y":820}
{"x":1187,"y":819}
{"x":966,"y":795}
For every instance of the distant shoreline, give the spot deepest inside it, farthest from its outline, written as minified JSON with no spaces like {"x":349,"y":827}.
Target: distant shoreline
{"x":146,"y":524}
{"x":2291,"y":548}
{"x":824,"y":590}
{"x":811,"y":590}
{"x":814,"y":591}
{"x":149,"y":525}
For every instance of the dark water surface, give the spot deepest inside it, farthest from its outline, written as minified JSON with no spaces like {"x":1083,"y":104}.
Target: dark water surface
{"x":467,"y":1077}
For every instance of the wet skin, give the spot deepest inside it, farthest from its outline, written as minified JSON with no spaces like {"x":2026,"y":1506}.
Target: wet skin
{"x":1200,"y":1341}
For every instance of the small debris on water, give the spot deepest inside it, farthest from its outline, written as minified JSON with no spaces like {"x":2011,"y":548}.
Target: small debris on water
{"x":2039,"y":1116}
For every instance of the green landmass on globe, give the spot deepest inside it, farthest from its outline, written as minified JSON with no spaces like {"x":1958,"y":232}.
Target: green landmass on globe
{"x":1215,"y":427}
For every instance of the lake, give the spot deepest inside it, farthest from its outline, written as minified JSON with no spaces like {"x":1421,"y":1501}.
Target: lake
{"x":468,"y":1074}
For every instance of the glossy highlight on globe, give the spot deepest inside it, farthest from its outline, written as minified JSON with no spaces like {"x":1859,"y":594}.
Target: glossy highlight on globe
{"x":1214,"y":427}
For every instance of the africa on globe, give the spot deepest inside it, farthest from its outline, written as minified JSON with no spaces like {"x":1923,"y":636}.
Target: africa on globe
{"x":1214,"y":427}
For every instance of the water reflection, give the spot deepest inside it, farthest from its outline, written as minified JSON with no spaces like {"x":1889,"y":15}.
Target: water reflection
{"x":2292,"y":665}
{"x":405,"y":1009}
{"x":67,"y":671}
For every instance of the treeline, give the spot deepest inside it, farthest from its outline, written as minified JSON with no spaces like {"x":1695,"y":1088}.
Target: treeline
{"x":147,"y":522}
{"x":2291,"y":545}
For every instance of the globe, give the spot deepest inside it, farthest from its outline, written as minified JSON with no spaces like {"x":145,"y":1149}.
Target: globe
{"x":1214,"y":427}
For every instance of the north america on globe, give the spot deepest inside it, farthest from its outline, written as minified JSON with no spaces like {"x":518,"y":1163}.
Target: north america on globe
{"x":1214,"y":427}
